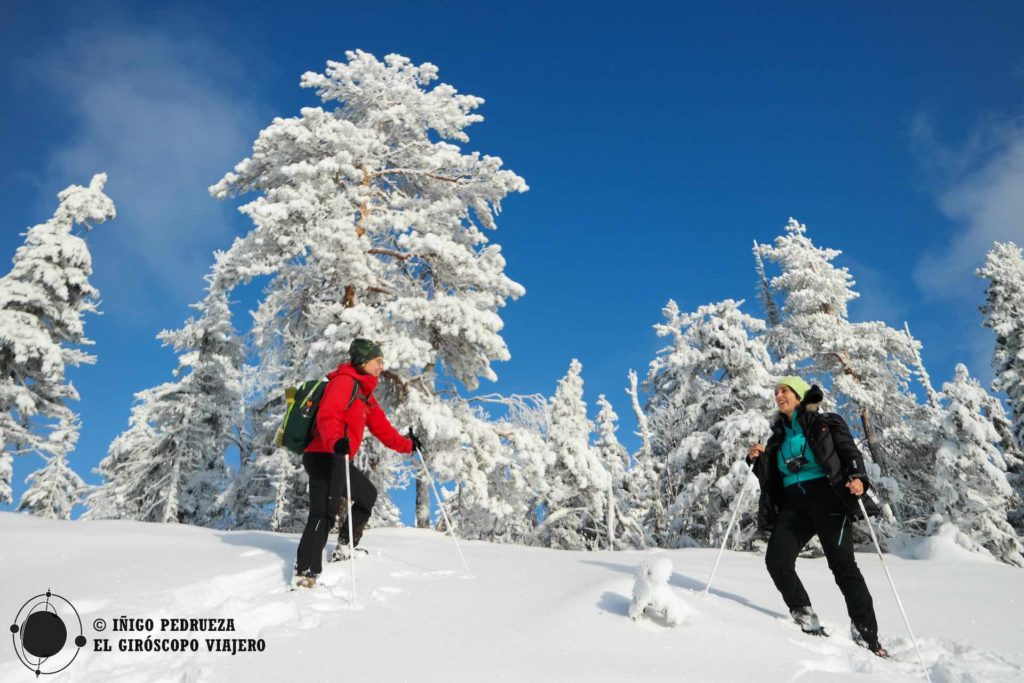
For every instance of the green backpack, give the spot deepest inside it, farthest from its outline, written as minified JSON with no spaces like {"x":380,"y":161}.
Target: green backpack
{"x":296,"y":431}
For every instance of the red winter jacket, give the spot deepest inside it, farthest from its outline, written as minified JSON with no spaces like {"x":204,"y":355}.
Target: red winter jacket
{"x":334,"y":420}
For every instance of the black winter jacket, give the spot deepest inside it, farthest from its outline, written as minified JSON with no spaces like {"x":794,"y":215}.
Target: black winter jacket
{"x":833,"y":447}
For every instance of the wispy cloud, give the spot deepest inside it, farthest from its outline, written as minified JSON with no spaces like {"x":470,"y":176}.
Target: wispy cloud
{"x":165,"y":118}
{"x":879,"y":299}
{"x":979,"y":186}
{"x":981,"y":189}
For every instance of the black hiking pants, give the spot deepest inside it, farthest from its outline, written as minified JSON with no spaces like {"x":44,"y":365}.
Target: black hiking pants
{"x":813,"y":508}
{"x":326,"y":492}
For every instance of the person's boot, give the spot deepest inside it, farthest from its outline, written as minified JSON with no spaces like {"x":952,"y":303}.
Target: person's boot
{"x":808,"y":621}
{"x":306,"y":579}
{"x":867,"y":637}
{"x":341,"y":551}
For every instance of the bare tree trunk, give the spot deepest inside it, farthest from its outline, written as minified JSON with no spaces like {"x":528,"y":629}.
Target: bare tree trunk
{"x":611,"y":517}
{"x":422,"y":483}
{"x":422,"y":501}
{"x":874,"y":447}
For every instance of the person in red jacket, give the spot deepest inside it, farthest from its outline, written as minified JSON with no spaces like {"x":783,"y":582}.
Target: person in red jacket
{"x":347,"y":408}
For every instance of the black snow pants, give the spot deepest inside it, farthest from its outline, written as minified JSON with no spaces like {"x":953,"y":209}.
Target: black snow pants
{"x":326,"y":492}
{"x":813,"y":508}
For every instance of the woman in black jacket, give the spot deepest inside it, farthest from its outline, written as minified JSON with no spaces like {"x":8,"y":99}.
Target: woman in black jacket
{"x":811,"y":476}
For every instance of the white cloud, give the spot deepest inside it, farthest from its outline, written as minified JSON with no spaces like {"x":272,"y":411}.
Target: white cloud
{"x":165,"y":118}
{"x":981,"y":189}
{"x":879,"y":299}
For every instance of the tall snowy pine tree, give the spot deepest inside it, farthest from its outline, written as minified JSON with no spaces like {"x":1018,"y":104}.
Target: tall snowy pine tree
{"x":42,"y":302}
{"x":53,"y":490}
{"x":1003,"y":313}
{"x":169,"y":466}
{"x":971,"y":489}
{"x":576,"y":498}
{"x":623,"y":529}
{"x":371,"y":223}
{"x":710,"y":397}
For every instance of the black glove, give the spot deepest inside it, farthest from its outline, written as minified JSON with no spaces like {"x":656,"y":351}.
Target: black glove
{"x":341,"y":446}
{"x":417,"y":445}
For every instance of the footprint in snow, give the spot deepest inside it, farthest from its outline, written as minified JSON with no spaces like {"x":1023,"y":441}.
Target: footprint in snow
{"x":407,"y":574}
{"x":381,"y":594}
{"x":947,"y":661}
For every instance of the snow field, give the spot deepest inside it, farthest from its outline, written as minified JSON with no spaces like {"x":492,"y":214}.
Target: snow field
{"x":525,"y":614}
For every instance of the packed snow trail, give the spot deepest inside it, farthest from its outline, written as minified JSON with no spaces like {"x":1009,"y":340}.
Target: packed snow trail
{"x":527,"y":614}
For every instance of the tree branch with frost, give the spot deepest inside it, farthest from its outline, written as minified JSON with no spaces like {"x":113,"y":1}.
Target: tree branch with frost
{"x":460,"y":180}
{"x":770,"y":307}
{"x":641,"y":418}
{"x":919,"y":369}
{"x":390,"y":252}
{"x":525,"y":410}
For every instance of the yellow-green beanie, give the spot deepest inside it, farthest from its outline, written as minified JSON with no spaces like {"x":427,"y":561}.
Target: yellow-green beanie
{"x":797,"y":384}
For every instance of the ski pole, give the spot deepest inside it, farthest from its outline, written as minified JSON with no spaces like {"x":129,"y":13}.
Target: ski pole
{"x":348,"y":520}
{"x":739,"y":503}
{"x":892,"y":584}
{"x":447,"y":521}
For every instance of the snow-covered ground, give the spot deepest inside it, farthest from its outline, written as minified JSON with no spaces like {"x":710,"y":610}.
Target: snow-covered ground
{"x":526,"y":614}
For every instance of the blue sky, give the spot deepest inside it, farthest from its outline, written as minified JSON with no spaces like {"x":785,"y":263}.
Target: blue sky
{"x":659,"y":140}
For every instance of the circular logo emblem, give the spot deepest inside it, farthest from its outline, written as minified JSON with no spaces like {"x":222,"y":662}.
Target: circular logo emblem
{"x":40,"y":633}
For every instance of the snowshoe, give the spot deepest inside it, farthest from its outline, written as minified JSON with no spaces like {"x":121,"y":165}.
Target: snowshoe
{"x":808,"y":621}
{"x":304,"y":580}
{"x":868,"y":640}
{"x":342,"y":552}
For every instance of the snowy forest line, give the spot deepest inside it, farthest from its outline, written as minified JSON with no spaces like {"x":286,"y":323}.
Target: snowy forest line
{"x":370,"y":220}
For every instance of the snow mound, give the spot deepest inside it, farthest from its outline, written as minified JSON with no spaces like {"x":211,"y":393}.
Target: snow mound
{"x":944,"y":545}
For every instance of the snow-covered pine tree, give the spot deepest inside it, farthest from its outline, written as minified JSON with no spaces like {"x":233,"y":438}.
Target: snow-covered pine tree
{"x":575,"y":502}
{"x":269,"y":489}
{"x":764,"y":290}
{"x":1003,"y":313}
{"x":116,"y":497}
{"x":520,"y":487}
{"x":211,"y":356}
{"x":644,"y":485}
{"x":42,"y":302}
{"x":710,"y":398}
{"x":623,"y":529}
{"x":53,"y":490}
{"x":910,"y":444}
{"x":371,"y":222}
{"x":971,"y":489}
{"x":170,"y":464}
{"x":992,"y":409}
{"x":503,"y":514}
{"x":865,"y":362}
{"x":135,"y":476}
{"x":672,"y":397}
{"x":6,"y":478}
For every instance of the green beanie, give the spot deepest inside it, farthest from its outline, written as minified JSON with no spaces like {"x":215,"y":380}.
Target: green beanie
{"x":797,"y":384}
{"x":362,"y":351}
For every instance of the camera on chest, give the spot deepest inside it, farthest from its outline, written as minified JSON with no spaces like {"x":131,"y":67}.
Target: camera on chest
{"x":796,"y":464}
